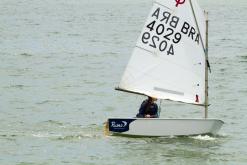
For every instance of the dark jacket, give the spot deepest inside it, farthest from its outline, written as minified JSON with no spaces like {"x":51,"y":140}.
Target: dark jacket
{"x":148,"y":109}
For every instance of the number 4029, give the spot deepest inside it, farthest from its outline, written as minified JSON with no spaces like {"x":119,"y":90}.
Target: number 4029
{"x":155,"y":42}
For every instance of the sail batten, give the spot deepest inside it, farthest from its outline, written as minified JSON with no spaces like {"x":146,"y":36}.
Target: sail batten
{"x":168,"y":61}
{"x":168,"y":91}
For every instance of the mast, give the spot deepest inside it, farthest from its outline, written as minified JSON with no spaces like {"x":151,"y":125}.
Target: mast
{"x":206,"y":68}
{"x":205,"y":48}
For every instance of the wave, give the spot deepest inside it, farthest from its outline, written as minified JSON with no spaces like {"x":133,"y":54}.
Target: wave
{"x":204,"y":137}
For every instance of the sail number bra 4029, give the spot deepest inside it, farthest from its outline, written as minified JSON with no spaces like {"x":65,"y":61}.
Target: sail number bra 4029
{"x":164,"y":30}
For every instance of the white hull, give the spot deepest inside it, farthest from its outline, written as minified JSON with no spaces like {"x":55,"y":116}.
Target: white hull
{"x":163,"y":127}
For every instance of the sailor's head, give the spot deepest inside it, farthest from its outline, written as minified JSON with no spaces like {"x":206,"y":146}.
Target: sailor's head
{"x":152,"y":99}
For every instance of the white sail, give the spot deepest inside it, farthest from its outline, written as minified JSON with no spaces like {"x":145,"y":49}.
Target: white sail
{"x":168,"y":61}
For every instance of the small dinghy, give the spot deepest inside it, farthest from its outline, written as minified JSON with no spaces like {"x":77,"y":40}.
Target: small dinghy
{"x":169,"y":62}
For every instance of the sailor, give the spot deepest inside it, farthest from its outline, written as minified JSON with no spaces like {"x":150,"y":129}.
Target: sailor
{"x":148,"y":109}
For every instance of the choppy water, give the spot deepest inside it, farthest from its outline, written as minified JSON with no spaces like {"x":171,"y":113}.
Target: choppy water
{"x":59,"y":64}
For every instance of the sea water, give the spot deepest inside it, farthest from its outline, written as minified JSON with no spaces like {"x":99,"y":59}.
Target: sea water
{"x":59,"y":64}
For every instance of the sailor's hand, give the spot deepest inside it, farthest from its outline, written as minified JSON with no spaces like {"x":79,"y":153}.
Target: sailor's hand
{"x":147,"y":116}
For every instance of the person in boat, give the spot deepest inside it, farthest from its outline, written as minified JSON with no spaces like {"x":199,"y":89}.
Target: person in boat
{"x":148,"y":109}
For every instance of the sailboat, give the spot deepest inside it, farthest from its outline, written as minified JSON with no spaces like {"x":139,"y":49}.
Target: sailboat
{"x":169,"y":62}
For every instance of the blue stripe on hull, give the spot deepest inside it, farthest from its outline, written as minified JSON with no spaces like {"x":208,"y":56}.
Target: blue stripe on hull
{"x":119,"y":125}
